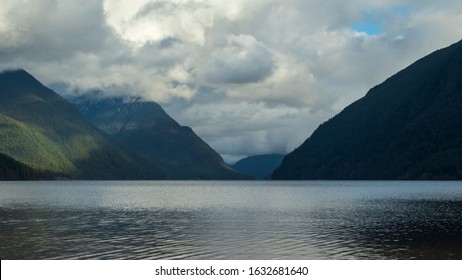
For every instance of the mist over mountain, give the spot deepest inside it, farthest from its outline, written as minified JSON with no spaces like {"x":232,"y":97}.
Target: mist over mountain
{"x":409,"y":127}
{"x":146,"y":129}
{"x":42,"y":130}
{"x":260,"y":166}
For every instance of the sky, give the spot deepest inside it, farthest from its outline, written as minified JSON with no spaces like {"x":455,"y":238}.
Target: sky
{"x":248,"y":76}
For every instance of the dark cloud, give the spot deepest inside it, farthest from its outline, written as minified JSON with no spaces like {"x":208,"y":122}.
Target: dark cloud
{"x":237,"y":60}
{"x":169,"y":42}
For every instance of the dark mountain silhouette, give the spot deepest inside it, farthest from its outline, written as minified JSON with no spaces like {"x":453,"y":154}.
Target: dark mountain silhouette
{"x":260,"y":167}
{"x":409,"y":127}
{"x":42,"y":130}
{"x":145,"y":128}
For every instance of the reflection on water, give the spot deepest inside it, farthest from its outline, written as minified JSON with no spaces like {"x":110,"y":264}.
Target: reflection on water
{"x":230,"y":220}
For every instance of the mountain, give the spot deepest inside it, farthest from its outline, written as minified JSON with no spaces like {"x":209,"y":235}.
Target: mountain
{"x":260,"y":167}
{"x":42,"y":130}
{"x":11,"y":169}
{"x":409,"y":127}
{"x":145,"y":128}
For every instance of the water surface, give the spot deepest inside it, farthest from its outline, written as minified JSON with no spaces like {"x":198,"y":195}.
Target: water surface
{"x":230,"y":220}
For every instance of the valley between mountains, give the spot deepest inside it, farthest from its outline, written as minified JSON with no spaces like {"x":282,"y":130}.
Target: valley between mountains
{"x":409,"y":127}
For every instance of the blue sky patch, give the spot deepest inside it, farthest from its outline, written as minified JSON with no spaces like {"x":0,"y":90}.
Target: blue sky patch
{"x":369,"y":28}
{"x":371,"y":23}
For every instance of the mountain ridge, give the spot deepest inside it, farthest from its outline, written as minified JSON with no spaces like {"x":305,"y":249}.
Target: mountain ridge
{"x":42,"y":130}
{"x":145,"y":128}
{"x":259,"y":166}
{"x":408,"y":127}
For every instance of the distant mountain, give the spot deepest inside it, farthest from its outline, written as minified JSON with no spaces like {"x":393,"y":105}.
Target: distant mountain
{"x":260,"y":167}
{"x":42,"y":130}
{"x":145,"y":128}
{"x":409,"y":127}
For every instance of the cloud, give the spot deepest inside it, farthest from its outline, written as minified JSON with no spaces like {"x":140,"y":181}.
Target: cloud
{"x":51,"y":30}
{"x":238,"y":128}
{"x":141,"y":21}
{"x":248,"y":76}
{"x":236,"y":60}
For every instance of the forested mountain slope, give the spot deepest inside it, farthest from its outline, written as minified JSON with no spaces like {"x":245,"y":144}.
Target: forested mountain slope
{"x":409,"y":127}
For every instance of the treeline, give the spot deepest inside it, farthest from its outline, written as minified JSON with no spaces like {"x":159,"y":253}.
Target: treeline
{"x":11,"y":170}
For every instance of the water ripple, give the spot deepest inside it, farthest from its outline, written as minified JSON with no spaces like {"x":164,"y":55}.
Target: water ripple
{"x":293,"y":221}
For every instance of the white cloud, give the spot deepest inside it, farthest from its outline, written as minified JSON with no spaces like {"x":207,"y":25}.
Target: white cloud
{"x":142,"y":21}
{"x":249,"y":76}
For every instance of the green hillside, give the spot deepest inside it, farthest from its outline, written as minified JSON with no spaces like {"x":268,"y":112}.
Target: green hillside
{"x":11,"y":169}
{"x":41,"y":129}
{"x":145,"y":128}
{"x":409,"y":127}
{"x":27,"y":144}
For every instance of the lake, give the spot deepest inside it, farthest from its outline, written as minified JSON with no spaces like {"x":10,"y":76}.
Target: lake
{"x":230,"y":220}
